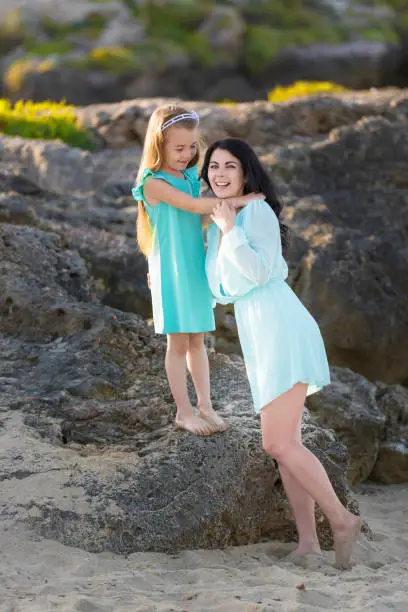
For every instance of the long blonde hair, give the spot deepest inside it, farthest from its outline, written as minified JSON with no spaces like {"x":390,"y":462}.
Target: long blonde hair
{"x":153,"y":159}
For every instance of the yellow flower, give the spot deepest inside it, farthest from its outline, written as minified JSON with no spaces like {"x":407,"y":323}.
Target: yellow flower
{"x":302,"y":89}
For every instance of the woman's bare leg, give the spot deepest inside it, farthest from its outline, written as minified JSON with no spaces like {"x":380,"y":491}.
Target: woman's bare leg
{"x":176,"y":369}
{"x":198,"y":366}
{"x":279,"y":421}
{"x":303,"y":508}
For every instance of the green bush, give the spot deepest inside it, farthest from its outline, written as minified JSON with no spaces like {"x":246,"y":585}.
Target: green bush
{"x":11,"y":31}
{"x":91,"y":27}
{"x":177,"y":22}
{"x":45,"y":120}
{"x":286,"y":14}
{"x":263,"y":43}
{"x":19,"y":70}
{"x":50,"y":47}
{"x":12,"y":23}
{"x":17,"y":73}
{"x":115,"y":60}
{"x":199,"y":48}
{"x":396,"y":5}
{"x":173,"y":20}
{"x":379,"y":35}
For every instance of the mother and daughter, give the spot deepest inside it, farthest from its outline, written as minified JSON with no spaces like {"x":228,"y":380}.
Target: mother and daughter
{"x":282,"y":346}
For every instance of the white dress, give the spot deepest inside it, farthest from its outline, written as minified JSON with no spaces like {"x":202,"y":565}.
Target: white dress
{"x":281,"y":342}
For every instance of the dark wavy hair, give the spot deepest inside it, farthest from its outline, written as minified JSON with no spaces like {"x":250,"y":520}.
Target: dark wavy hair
{"x":256,"y":178}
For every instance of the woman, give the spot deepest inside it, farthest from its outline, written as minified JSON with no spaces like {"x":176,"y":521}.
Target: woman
{"x":281,"y":343}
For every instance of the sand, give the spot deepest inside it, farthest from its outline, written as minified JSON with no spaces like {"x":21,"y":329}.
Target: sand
{"x":38,"y":575}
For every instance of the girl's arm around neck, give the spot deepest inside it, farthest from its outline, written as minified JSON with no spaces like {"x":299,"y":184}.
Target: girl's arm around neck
{"x":156,"y":190}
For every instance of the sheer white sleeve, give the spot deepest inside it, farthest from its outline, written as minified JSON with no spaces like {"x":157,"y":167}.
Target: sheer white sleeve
{"x":253,"y":250}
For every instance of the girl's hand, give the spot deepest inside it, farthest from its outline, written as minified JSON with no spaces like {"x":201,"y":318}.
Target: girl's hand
{"x":148,"y":281}
{"x":224,"y":216}
{"x":244,"y":200}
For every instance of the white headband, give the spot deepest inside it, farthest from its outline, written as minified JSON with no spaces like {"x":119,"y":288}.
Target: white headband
{"x":177,"y":118}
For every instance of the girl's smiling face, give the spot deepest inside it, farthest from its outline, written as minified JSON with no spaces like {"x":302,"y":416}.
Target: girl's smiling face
{"x":180,"y":146}
{"x":225,"y":175}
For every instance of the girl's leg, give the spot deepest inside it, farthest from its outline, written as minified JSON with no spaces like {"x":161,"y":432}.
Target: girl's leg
{"x":303,"y":508}
{"x":197,"y":363}
{"x":175,"y":362}
{"x":279,"y":420}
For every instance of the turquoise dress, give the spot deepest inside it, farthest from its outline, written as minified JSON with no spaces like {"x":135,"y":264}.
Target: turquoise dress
{"x":181,"y":298}
{"x":281,"y":342}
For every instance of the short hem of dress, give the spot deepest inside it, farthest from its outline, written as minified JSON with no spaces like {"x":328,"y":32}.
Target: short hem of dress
{"x":316,"y":387}
{"x":190,"y":331}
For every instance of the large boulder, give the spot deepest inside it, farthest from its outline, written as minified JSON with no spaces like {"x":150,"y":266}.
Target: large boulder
{"x":392,"y":462}
{"x":356,"y":64}
{"x":349,"y":407}
{"x":52,"y":186}
{"x":263,"y":124}
{"x":59,"y":168}
{"x":225,"y":30}
{"x":117,"y":266}
{"x":100,"y":227}
{"x":59,"y":12}
{"x":51,"y":165}
{"x":337,"y":159}
{"x":370,"y":420}
{"x":350,"y":197}
{"x":89,"y":455}
{"x":39,"y":81}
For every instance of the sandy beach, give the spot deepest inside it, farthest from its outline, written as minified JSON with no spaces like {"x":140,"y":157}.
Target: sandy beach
{"x":38,"y":575}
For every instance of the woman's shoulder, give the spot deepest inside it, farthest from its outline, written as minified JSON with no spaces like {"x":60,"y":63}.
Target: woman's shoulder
{"x":259,"y":209}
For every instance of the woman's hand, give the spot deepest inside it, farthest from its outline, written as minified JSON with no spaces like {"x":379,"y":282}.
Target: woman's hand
{"x":224,"y":216}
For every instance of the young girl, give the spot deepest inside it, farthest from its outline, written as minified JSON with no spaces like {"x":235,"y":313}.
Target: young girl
{"x":281,"y":343}
{"x":169,"y":233}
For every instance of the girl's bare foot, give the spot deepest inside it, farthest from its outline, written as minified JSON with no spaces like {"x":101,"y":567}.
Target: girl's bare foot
{"x":208,"y":413}
{"x":344,"y":540}
{"x":195,"y":425}
{"x":306,"y":548}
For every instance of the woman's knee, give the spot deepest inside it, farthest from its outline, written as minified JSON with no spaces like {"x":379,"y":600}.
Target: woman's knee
{"x":277,"y":447}
{"x":280,"y":421}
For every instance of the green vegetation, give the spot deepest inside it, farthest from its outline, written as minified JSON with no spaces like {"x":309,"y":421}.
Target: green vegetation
{"x":177,"y":22}
{"x":286,"y":14}
{"x":173,"y":27}
{"x":274,"y":25}
{"x":386,"y":36}
{"x":115,"y":60}
{"x":91,"y":27}
{"x":172,"y":19}
{"x":263,"y":43}
{"x":50,"y":47}
{"x":261,"y":46}
{"x":18,"y":72}
{"x":45,"y":120}
{"x":396,"y":5}
{"x":198,"y":47}
{"x":11,"y":31}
